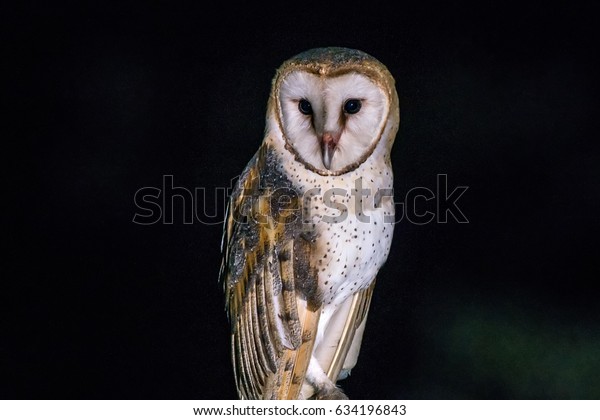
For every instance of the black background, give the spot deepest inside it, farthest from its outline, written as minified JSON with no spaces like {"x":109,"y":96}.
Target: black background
{"x":106,"y":99}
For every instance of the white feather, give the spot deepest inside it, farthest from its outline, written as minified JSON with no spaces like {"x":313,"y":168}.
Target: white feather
{"x":327,"y":96}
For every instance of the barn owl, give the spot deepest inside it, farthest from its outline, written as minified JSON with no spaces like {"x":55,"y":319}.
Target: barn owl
{"x":309,"y":224}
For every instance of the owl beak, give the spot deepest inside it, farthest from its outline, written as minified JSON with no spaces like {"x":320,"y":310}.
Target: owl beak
{"x":329,"y":143}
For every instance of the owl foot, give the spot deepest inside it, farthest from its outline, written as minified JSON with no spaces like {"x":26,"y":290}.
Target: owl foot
{"x":330,"y":393}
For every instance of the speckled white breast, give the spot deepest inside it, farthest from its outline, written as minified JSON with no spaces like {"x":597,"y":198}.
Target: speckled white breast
{"x":353,"y":231}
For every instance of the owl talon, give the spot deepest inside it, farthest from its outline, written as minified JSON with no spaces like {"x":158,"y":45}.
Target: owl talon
{"x":330,"y":393}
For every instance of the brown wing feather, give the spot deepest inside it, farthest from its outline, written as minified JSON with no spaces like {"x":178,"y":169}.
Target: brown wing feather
{"x":359,"y":308}
{"x":270,"y":286}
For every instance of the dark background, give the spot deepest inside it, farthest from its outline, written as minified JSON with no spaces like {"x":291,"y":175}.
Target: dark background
{"x":106,"y":99}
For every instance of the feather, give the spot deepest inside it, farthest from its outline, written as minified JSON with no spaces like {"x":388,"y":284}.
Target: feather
{"x":269,"y":284}
{"x":358,"y":311}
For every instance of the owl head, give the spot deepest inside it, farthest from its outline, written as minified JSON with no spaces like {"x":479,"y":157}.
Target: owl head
{"x":333,"y":107}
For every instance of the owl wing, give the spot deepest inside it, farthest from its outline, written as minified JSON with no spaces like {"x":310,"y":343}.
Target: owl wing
{"x":349,"y":342}
{"x":270,"y":284}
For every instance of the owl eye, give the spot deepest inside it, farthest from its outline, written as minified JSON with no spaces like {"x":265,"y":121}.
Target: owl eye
{"x":305,"y":107}
{"x":352,"y":106}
